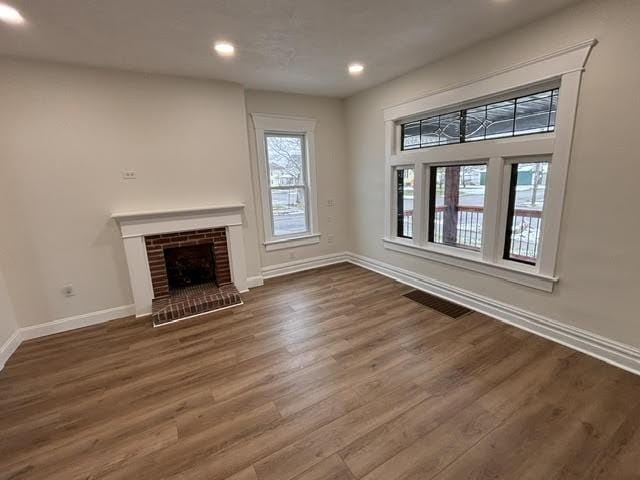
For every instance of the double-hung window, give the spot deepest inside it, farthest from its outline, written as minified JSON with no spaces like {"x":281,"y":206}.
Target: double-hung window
{"x":288,"y":185}
{"x":285,"y":152}
{"x":476,"y":174}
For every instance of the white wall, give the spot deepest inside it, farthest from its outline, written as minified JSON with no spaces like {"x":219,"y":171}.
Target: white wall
{"x":598,"y":257}
{"x":330,"y":139}
{"x":67,"y":134}
{"x":8,"y":325}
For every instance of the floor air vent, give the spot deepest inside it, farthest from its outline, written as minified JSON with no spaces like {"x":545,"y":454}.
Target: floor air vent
{"x":436,"y":303}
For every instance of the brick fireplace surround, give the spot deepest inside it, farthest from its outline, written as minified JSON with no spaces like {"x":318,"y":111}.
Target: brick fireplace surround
{"x":156,"y":244}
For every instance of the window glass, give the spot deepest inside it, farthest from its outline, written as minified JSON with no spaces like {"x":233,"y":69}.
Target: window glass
{"x":533,"y":113}
{"x":411,"y":135}
{"x":526,"y":204}
{"x":430,"y":131}
{"x":524,"y":115}
{"x":288,"y":211}
{"x":450,"y":128}
{"x":287,"y":178}
{"x":500,"y":119}
{"x":405,"y":186}
{"x":457,"y":205}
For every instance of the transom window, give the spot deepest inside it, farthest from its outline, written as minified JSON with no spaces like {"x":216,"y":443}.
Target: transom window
{"x":527,"y":114}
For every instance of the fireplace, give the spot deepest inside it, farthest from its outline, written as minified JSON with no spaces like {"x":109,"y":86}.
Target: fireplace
{"x":147,"y":234}
{"x":190,"y":274}
{"x":189,"y":266}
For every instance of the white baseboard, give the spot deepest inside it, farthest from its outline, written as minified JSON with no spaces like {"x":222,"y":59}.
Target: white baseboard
{"x":10,"y":346}
{"x":78,"y":321}
{"x":610,"y":351}
{"x":304,"y":264}
{"x":253,"y":282}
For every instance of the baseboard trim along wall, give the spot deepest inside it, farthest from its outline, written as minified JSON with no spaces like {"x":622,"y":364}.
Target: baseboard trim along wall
{"x":77,"y":321}
{"x":615,"y":353}
{"x":9,"y":346}
{"x":253,"y":282}
{"x":304,"y":264}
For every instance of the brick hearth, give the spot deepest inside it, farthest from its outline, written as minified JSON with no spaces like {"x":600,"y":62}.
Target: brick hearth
{"x":189,"y":301}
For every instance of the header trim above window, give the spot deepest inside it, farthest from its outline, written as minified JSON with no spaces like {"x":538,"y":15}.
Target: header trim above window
{"x":538,"y":71}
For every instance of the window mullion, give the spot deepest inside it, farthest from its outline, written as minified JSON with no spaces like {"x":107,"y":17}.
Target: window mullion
{"x":492,"y":209}
{"x":419,"y":204}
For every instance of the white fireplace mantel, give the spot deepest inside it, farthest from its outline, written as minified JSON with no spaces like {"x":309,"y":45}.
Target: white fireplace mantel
{"x":134,"y":226}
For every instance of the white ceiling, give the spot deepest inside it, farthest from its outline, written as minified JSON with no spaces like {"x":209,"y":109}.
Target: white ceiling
{"x":299,"y":46}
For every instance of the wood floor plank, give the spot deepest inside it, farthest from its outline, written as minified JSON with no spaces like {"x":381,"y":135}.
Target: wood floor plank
{"x":326,"y":374}
{"x":331,"y":468}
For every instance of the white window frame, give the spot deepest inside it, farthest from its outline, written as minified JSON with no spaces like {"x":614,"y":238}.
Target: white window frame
{"x":266,"y":124}
{"x":563,"y":70}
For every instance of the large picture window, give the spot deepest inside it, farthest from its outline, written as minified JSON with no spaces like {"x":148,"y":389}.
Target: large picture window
{"x":476,"y":173}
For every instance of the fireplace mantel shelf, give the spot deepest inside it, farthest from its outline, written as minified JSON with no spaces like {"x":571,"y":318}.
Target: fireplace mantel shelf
{"x":124,"y":216}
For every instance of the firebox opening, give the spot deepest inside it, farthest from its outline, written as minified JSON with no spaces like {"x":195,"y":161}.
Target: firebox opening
{"x":190,"y":265}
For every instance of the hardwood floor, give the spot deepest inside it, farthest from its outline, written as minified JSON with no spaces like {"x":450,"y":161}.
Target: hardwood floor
{"x":329,"y":374}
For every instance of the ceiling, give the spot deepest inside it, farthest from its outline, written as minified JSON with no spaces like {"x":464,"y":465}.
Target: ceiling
{"x":300,"y":46}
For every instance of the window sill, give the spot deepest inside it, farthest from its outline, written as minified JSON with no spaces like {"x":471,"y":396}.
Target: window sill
{"x":292,"y":242}
{"x":519,"y":274}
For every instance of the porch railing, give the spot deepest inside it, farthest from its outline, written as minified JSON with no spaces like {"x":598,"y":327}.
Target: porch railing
{"x":525,"y":236}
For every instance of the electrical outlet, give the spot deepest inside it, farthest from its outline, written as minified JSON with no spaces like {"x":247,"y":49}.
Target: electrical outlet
{"x":329,"y":219}
{"x":330,"y":238}
{"x":129,"y":175}
{"x":68,"y":290}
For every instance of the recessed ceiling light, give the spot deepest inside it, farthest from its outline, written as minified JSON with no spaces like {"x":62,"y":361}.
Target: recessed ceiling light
{"x":10,"y":15}
{"x":225,"y":49}
{"x":356,"y":68}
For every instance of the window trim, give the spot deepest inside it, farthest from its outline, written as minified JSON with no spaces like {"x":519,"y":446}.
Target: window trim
{"x":562,"y":69}
{"x":266,"y":124}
